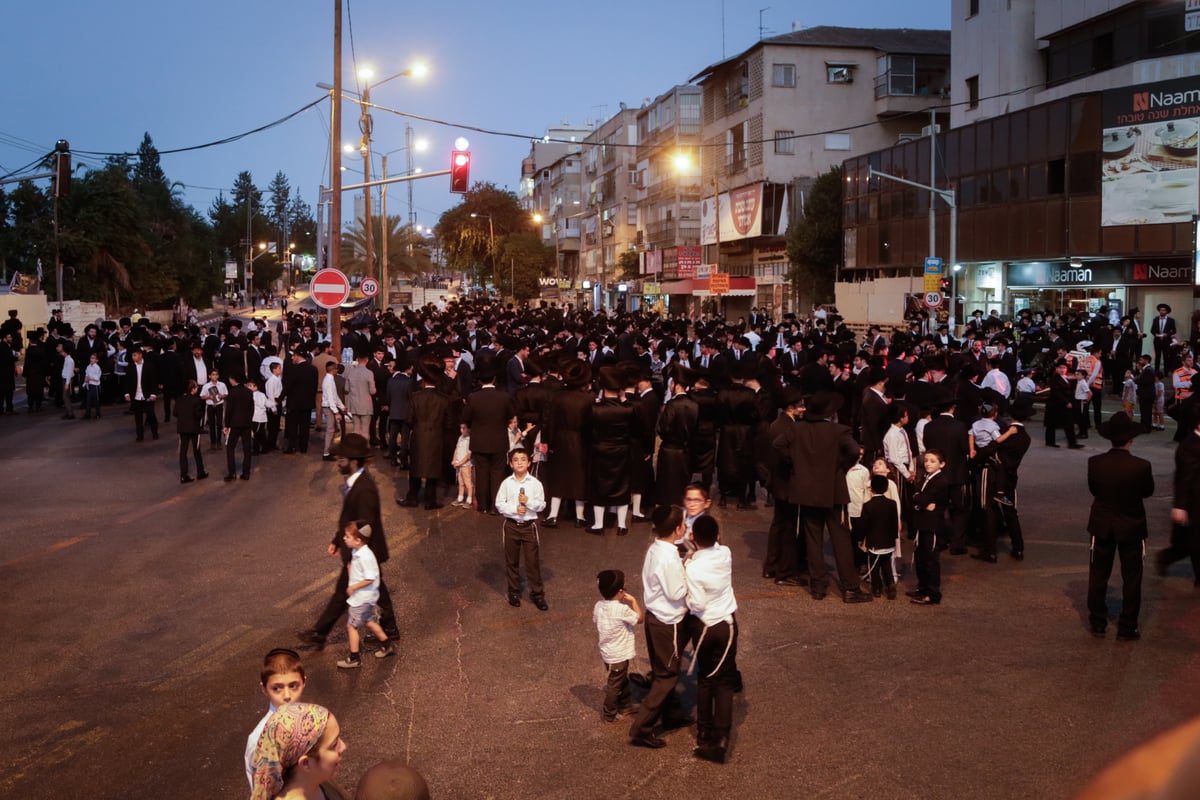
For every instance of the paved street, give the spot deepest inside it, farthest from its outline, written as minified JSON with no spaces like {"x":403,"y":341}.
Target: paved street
{"x":136,"y":613}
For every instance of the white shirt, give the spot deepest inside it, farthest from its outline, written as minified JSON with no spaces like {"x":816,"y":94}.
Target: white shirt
{"x":858,"y":482}
{"x":664,"y":586}
{"x":260,"y":408}
{"x":329,"y":394}
{"x":896,"y":450}
{"x":615,"y":622}
{"x":68,"y":370}
{"x":709,"y":575}
{"x":201,"y":370}
{"x":221,"y":394}
{"x":274,"y":388}
{"x":92,"y":375}
{"x":364,"y":567}
{"x":138,"y":367}
{"x":997,"y":381}
{"x":507,"y":497}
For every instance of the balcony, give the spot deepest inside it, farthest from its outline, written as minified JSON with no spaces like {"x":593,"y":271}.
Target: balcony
{"x":907,"y":85}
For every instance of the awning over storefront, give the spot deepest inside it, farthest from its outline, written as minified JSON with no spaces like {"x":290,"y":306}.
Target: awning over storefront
{"x":738,"y":287}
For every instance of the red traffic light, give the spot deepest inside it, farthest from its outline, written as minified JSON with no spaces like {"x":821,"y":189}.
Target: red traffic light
{"x":460,"y":169}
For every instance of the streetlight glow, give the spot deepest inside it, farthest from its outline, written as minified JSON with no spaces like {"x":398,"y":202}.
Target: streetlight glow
{"x":421,"y":145}
{"x":461,"y":143}
{"x":682,"y":162}
{"x":418,"y":70}
{"x":365,"y":73}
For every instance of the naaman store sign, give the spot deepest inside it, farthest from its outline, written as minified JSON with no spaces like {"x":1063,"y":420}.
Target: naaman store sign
{"x":1149,"y":167}
{"x":1169,"y":272}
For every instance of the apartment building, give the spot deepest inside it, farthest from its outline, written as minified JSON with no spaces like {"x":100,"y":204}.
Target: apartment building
{"x":1073,"y":159}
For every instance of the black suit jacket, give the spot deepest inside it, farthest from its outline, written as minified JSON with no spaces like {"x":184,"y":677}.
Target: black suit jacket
{"x":934,"y":491}
{"x":149,"y":380}
{"x":239,"y":407}
{"x":1187,"y":478}
{"x":819,"y":452}
{"x":950,"y":436}
{"x":873,"y":418}
{"x":1119,"y":481}
{"x":487,"y":412}
{"x":362,"y":503}
{"x":300,"y":386}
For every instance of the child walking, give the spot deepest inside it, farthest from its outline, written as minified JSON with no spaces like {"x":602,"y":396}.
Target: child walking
{"x":363,"y":592}
{"x":1128,"y":393}
{"x":615,"y":617}
{"x":464,"y":469}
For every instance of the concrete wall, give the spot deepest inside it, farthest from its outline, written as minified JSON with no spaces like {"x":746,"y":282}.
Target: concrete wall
{"x":879,"y":301}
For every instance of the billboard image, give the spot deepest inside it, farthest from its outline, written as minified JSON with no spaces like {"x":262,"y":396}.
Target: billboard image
{"x":1149,"y":163}
{"x":740,"y":215}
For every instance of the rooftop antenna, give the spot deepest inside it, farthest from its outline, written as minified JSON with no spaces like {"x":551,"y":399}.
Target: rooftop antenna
{"x":761,"y":29}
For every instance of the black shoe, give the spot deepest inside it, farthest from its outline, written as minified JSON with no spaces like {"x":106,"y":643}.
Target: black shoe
{"x":791,"y":580}
{"x":1075,"y":446}
{"x":540,"y":602}
{"x":433,"y":506}
{"x":675,"y":723}
{"x":769,"y":574}
{"x":550,"y":522}
{"x":596,"y":531}
{"x":154,"y":436}
{"x":914,"y":593}
{"x":491,"y":512}
{"x":1082,"y":436}
{"x":747,"y":506}
{"x":1160,"y":564}
{"x":514,"y":601}
{"x":891,"y":593}
{"x":245,"y":477}
{"x":638,"y":518}
{"x":1049,"y":444}
{"x":714,"y":752}
{"x":201,"y":476}
{"x":1097,"y":630}
{"x":406,"y":502}
{"x":311,"y":637}
{"x":1018,"y":555}
{"x":579,"y":523}
{"x":185,"y":479}
{"x":721,"y":503}
{"x":290,"y":451}
{"x":988,"y":557}
{"x":649,"y":740}
{"x":622,"y":531}
{"x":855,"y":596}
{"x":1128,"y":636}
{"x":229,"y":478}
{"x":819,"y":595}
{"x":925,"y":600}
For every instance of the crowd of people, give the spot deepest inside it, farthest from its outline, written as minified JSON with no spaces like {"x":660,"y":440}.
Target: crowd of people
{"x":547,"y":415}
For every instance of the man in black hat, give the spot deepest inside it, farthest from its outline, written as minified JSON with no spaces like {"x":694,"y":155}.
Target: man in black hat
{"x":141,"y":392}
{"x":299,"y":393}
{"x":239,"y":414}
{"x":1119,"y":483}
{"x":1002,"y":458}
{"x":360,"y":501}
{"x":950,"y":436}
{"x":487,"y":413}
{"x":820,"y":452}
{"x":1059,"y":405}
{"x":1163,"y":330}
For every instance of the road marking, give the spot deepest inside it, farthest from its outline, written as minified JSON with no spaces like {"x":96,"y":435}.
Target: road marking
{"x":202,"y":658}
{"x":53,"y":548}
{"x":398,"y":544}
{"x":145,"y":512}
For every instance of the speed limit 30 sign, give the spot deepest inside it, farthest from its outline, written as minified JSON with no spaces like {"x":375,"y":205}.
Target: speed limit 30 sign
{"x":933,"y":299}
{"x":369,"y":287}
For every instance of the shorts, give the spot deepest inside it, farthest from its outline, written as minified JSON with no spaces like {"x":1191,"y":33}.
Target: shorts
{"x":361,"y":615}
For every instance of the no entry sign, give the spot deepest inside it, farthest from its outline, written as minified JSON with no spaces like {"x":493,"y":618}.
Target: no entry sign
{"x":329,"y":288}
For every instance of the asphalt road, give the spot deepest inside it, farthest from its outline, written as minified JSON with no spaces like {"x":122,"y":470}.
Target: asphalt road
{"x":136,"y":612}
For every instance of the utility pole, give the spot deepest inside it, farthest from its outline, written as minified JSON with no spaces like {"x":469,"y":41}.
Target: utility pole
{"x":383,"y":246}
{"x":335,"y":174}
{"x":364,"y":125}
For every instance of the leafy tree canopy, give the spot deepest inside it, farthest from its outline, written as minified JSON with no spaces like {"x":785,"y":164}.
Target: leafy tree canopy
{"x":814,"y":243}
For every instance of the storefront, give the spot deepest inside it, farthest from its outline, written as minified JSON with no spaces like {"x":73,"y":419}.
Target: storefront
{"x":1084,"y":286}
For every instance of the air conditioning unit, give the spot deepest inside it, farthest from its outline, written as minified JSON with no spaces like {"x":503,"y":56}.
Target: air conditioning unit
{"x":931,"y":129}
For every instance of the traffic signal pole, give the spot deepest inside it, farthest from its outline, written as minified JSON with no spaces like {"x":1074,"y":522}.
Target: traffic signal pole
{"x":334,"y":259}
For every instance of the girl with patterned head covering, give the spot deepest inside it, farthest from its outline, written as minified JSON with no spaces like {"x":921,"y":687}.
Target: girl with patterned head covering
{"x":299,"y":751}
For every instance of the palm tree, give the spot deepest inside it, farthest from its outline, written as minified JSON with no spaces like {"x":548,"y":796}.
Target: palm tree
{"x":401,"y":240}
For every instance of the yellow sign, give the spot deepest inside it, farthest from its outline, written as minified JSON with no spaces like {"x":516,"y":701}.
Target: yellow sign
{"x":933,"y":283}
{"x":718,"y":283}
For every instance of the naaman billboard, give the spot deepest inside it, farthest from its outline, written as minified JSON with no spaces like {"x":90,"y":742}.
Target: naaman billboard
{"x":1149,"y":168}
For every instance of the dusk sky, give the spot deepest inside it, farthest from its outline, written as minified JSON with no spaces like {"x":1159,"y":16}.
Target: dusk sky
{"x":100,"y":74}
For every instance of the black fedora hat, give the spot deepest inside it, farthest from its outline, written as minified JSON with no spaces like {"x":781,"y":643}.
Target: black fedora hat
{"x":352,"y":445}
{"x":1161,"y":306}
{"x":822,"y":405}
{"x":577,"y":374}
{"x":1121,"y":428}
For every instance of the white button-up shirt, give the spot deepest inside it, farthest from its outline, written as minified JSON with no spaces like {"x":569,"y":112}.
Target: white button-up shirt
{"x":710,"y":585}
{"x":664,"y":586}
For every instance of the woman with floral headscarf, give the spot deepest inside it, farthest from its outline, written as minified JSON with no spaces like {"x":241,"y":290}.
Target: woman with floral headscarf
{"x":298,"y":754}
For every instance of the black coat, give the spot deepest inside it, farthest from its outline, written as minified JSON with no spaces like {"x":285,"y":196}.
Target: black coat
{"x":641,"y":441}
{"x":1009,"y":453}
{"x":873,"y":419}
{"x":1187,"y":478}
{"x":677,"y":423}
{"x":567,"y":430}
{"x":239,"y":407}
{"x":738,"y":421}
{"x":300,"y":386}
{"x":189,"y":414}
{"x":950,"y":436}
{"x":608,"y":452}
{"x":879,"y":523}
{"x":362,"y":503}
{"x":819,"y":452}
{"x":1119,"y":482}
{"x":149,"y":380}
{"x":773,"y":470}
{"x":703,"y":447}
{"x":428,"y":410}
{"x":399,"y":395}
{"x":934,"y":491}
{"x":487,"y":413}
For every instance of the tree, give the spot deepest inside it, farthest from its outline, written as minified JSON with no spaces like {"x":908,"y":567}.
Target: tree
{"x":401,"y":238}
{"x":467,"y":241}
{"x":528,"y":259}
{"x":814,"y":243}
{"x":629,"y":266}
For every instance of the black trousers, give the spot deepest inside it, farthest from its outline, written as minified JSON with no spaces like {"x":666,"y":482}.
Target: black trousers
{"x":785,"y":557}
{"x":1060,"y":418}
{"x":960,"y":512}
{"x":1185,"y":543}
{"x":399,"y":436}
{"x":414,"y":488}
{"x":1097,"y":402}
{"x":244,"y":436}
{"x":489,"y":474}
{"x":296,"y":433}
{"x":167,"y":399}
{"x":272,"y":432}
{"x":928,"y":566}
{"x":522,"y":541}
{"x":192,"y":441}
{"x":143,"y":415}
{"x":1146,"y":409}
{"x":882,"y":577}
{"x":1099,"y":571}
{"x":1160,"y":352}
{"x":616,"y":689}
{"x":814,"y":520}
{"x":216,"y":421}
{"x":337,"y":606}
{"x":716,"y":666}
{"x":664,"y":647}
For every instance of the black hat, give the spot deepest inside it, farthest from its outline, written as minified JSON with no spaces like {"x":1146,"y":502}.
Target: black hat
{"x":1121,"y":428}
{"x":1161,"y":306}
{"x":610,"y":581}
{"x":611,"y":379}
{"x":352,"y":445}
{"x":822,"y":405}
{"x":744,"y":368}
{"x":944,"y":399}
{"x":1023,"y":410}
{"x":430,"y":370}
{"x":576,"y":374}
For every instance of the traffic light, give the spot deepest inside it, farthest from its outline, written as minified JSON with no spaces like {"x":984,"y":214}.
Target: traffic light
{"x":62,"y":168}
{"x":460,"y":169}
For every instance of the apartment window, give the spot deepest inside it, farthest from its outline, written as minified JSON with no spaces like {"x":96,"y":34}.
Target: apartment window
{"x":973,"y":92}
{"x":837,"y":141}
{"x":784,"y":75}
{"x":972,"y":8}
{"x":735,"y":147}
{"x":839,"y":73}
{"x":785,"y":145}
{"x":631,"y":214}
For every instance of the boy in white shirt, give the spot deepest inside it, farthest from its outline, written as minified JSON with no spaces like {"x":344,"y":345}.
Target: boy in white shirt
{"x":332,"y":406}
{"x":214,"y":393}
{"x":258,"y":417}
{"x":710,"y":599}
{"x":615,"y":617}
{"x":272,"y":389}
{"x":91,"y":386}
{"x":363,"y":594}
{"x":519,"y":499}
{"x":282,"y":681}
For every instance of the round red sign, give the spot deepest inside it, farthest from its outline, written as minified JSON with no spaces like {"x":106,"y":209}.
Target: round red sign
{"x":329,"y":288}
